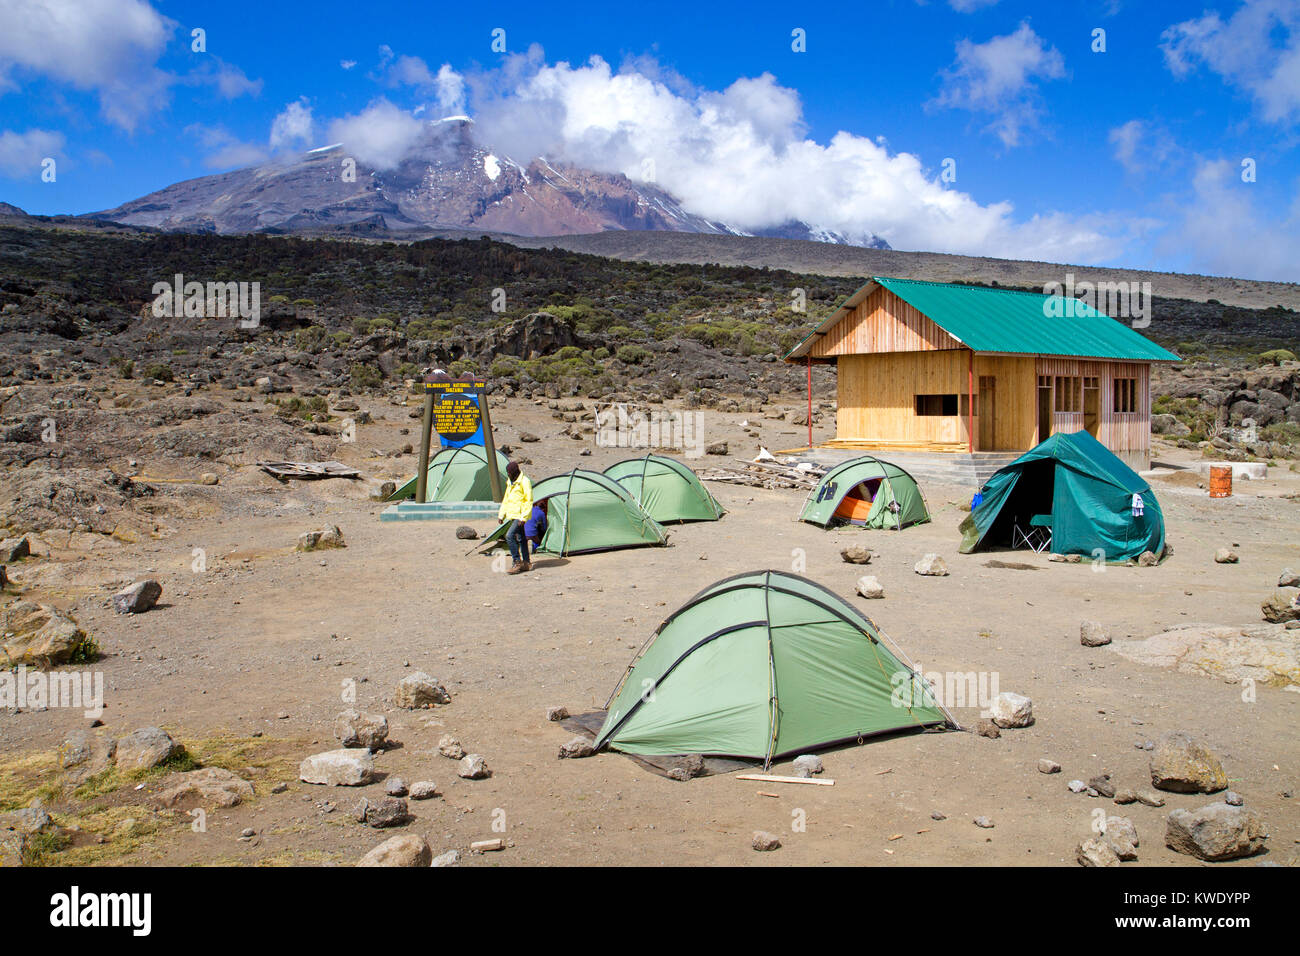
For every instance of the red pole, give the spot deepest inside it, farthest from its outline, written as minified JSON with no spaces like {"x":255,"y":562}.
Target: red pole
{"x":810,"y":403}
{"x":970,"y":401}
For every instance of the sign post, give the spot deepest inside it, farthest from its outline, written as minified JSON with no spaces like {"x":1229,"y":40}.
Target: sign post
{"x":458,"y":411}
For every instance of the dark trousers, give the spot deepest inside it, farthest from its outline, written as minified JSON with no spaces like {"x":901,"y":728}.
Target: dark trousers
{"x":516,"y":541}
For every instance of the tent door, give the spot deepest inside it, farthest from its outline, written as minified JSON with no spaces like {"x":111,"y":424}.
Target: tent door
{"x":988,"y":390}
{"x":1091,"y":406}
{"x":1044,"y":408}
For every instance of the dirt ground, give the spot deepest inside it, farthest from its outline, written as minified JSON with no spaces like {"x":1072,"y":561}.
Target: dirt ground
{"x":257,"y":646}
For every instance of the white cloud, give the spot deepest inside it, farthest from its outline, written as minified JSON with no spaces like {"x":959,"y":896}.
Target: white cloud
{"x":223,"y":149}
{"x":347,"y":64}
{"x":970,"y":6}
{"x":108,"y":46}
{"x":1226,"y":230}
{"x":21,"y":154}
{"x":741,"y":156}
{"x":1242,"y":50}
{"x":998,"y":77}
{"x":447,"y":87}
{"x":1140,"y":147}
{"x":293,"y":125}
{"x":380,"y":136}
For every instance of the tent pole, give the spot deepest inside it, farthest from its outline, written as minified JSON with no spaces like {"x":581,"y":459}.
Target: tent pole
{"x":490,"y":446}
{"x":810,"y":444}
{"x":970,"y":401}
{"x":426,"y":438}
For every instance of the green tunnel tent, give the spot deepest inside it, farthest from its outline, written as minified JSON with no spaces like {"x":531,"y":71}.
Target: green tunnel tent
{"x":866,"y":491}
{"x":588,"y":511}
{"x":1085,"y":490}
{"x":457,"y":474}
{"x":764,"y":665}
{"x":666,"y":489}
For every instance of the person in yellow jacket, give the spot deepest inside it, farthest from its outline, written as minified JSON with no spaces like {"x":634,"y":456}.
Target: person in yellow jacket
{"x":516,"y":506}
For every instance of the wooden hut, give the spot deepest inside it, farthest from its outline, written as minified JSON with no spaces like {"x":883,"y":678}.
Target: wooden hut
{"x":929,"y":366}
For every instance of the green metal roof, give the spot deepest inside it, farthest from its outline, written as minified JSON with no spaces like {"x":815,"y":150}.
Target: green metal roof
{"x":1006,"y":321}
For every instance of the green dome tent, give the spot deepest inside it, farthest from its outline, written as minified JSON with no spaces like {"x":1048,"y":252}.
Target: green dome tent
{"x":586,"y":511}
{"x":666,"y":489}
{"x":457,"y":474}
{"x":867,"y":491}
{"x":1074,"y":485}
{"x":763,"y":665}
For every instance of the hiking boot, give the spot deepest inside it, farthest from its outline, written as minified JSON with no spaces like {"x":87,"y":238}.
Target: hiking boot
{"x":516,"y":568}
{"x":526,"y":566}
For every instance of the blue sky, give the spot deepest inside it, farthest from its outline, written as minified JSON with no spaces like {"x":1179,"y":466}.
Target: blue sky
{"x":1129,"y":157}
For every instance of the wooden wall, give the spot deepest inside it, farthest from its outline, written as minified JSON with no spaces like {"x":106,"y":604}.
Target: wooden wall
{"x":1127,"y":434}
{"x":882,"y":322}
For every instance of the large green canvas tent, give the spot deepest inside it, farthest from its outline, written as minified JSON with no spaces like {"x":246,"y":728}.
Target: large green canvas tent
{"x":1078,"y":488}
{"x":666,"y":489}
{"x":457,"y":474}
{"x":761,"y":666}
{"x":587,"y":511}
{"x":867,"y":491}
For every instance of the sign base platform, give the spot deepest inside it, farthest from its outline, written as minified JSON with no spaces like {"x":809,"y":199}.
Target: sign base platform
{"x":441,"y":511}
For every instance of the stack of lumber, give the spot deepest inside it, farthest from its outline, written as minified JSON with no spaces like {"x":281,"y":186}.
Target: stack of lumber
{"x":768,"y":473}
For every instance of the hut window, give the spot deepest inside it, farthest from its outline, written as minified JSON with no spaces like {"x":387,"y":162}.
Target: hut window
{"x":1069,"y":393}
{"x":936,"y":405}
{"x":1125,"y":395}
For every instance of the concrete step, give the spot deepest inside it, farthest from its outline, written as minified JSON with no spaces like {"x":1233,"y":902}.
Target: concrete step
{"x":441,"y":511}
{"x":953,"y":468}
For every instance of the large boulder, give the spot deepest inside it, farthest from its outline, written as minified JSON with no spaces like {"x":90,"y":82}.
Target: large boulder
{"x":36,"y":635}
{"x":419,"y":690}
{"x":208,"y":787}
{"x":1182,"y":764}
{"x":405,"y":850}
{"x":1215,"y":832}
{"x":145,"y":749}
{"x":338,"y":768}
{"x":355,"y":729}
{"x":1282,"y":605}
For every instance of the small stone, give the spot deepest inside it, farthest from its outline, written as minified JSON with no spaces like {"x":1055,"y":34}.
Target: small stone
{"x":1149,"y":798}
{"x":1215,"y":832}
{"x":424,"y":790}
{"x":207,"y":478}
{"x":419,"y":691}
{"x":1122,"y":836}
{"x":280,"y":787}
{"x":1077,"y":786}
{"x":528,"y":437}
{"x":987,"y":728}
{"x":870,"y":587}
{"x":382,"y":490}
{"x":856,"y":555}
{"x":355,"y":729}
{"x":138,"y":597}
{"x":145,"y":749}
{"x":14,"y":549}
{"x":1102,"y":785}
{"x":473,"y":767}
{"x":449,"y":746}
{"x":1181,"y":764}
{"x":1225,"y":556}
{"x":1147,"y":559}
{"x":806,"y":765}
{"x":466,"y":533}
{"x":931,"y":565}
{"x":1012,"y":710}
{"x":338,"y":768}
{"x":575,"y":748}
{"x":716,"y":448}
{"x":984,"y":823}
{"x":1092,"y":634}
{"x":450,"y":858}
{"x":1048,"y":766}
{"x":330,"y":537}
{"x":405,"y":850}
{"x":1125,"y":797}
{"x":557,"y":713}
{"x":1287,"y":579}
{"x":395,"y":787}
{"x":765,"y":842}
{"x":388,"y":812}
{"x":1096,"y":852}
{"x":937,"y":815}
{"x":1233,"y":799}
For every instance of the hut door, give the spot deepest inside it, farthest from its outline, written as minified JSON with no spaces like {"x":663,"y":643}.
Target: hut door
{"x":986,"y":406}
{"x":1091,"y":406}
{"x":1044,"y":408}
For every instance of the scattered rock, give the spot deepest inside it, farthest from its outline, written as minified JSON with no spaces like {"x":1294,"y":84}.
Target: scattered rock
{"x":1122,"y":836}
{"x":987,"y":728}
{"x":557,"y":713}
{"x":14,"y":549}
{"x":938,"y":815}
{"x":1181,"y":764}
{"x":1215,"y":832}
{"x":84,"y":754}
{"x":1077,"y":786}
{"x":207,"y":787}
{"x":466,"y":533}
{"x":450,"y":858}
{"x":1233,"y":799}
{"x":1092,"y":634}
{"x":449,"y":746}
{"x":931,"y":565}
{"x":36,"y":635}
{"x":330,"y":537}
{"x":424,"y":790}
{"x":418,"y":691}
{"x":355,"y":729}
{"x":338,"y":768}
{"x":405,"y":850}
{"x":1102,"y":785}
{"x":207,"y":478}
{"x":1048,"y":766}
{"x":806,"y":765}
{"x":1225,"y":556}
{"x":388,"y":812}
{"x":528,"y":437}
{"x":1282,"y":606}
{"x":395,"y":787}
{"x":856,"y":555}
{"x":576,"y":747}
{"x":1096,"y":852}
{"x":1012,"y":710}
{"x":764,"y":842}
{"x":473,"y":767}
{"x":1125,"y":797}
{"x":145,"y":749}
{"x":1287,"y":579}
{"x":984,"y":823}
{"x":1149,"y":798}
{"x":870,"y":587}
{"x":1147,"y":559}
{"x":716,"y":448}
{"x":382,"y":490}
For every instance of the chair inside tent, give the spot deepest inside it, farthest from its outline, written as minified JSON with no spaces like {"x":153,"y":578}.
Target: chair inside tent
{"x":868,"y":492}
